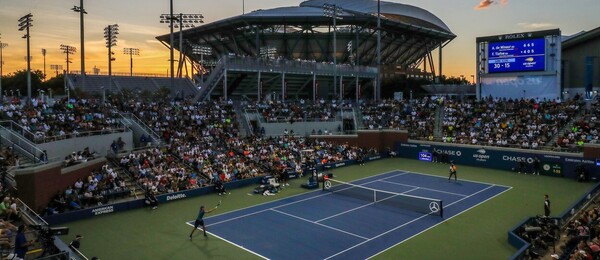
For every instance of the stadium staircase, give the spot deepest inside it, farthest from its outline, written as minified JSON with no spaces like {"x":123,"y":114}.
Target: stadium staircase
{"x":139,"y":127}
{"x":242,"y":118}
{"x":135,"y":190}
{"x":566,"y":128}
{"x":13,"y":136}
{"x":211,"y":82}
{"x":438,"y":128}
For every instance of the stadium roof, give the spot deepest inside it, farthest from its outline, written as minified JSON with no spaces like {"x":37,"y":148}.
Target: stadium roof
{"x":579,"y":38}
{"x":409,"y":34}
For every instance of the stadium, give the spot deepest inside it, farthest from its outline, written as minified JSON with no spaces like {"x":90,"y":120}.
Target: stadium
{"x":281,"y":133}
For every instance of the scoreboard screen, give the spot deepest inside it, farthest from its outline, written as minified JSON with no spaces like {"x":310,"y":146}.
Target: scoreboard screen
{"x":517,"y":56}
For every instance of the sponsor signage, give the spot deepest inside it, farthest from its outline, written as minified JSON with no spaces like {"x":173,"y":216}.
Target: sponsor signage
{"x":550,"y":168}
{"x":425,"y":156}
{"x":498,"y":158}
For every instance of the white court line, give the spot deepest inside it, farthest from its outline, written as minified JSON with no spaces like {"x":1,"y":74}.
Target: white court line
{"x":357,"y":208}
{"x":508,"y":188}
{"x":313,"y":222}
{"x":491,"y":184}
{"x":412,"y":186}
{"x":231,"y":242}
{"x":284,"y":205}
{"x":345,"y":250}
{"x":400,"y":173}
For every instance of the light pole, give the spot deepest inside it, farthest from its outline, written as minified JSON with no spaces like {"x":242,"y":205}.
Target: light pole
{"x":378,"y":87}
{"x":202,"y":50}
{"x":79,"y":9}
{"x":181,"y":21}
{"x":67,"y":49}
{"x":333,"y":11}
{"x":2,"y":46}
{"x":110,"y":34}
{"x":131,"y":52}
{"x":473,"y":79}
{"x":25,"y":24}
{"x":56,"y":68}
{"x":44,"y":54}
{"x":168,"y":18}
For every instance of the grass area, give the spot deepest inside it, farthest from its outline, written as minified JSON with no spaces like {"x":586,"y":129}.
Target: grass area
{"x":480,"y":233}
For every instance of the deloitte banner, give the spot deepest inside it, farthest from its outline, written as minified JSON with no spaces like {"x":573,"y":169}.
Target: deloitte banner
{"x":498,"y":158}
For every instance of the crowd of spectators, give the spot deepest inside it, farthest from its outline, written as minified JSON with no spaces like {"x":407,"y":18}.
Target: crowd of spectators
{"x":65,"y":118}
{"x":298,"y":111}
{"x":584,"y":130}
{"x":519,"y":123}
{"x":417,"y":115}
{"x":76,"y":157}
{"x":99,"y":186}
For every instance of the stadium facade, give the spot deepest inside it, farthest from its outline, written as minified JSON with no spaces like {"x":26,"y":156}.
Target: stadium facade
{"x":301,"y":34}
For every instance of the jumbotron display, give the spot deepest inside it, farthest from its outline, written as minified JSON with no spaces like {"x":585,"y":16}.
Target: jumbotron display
{"x":517,"y":56}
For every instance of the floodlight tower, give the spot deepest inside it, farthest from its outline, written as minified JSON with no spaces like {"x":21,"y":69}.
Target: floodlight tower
{"x":44,"y":54}
{"x":25,"y":24}
{"x":67,"y":49}
{"x":131,"y":52}
{"x":202,"y":50}
{"x":333,"y":11}
{"x":2,"y":46}
{"x":110,"y":34}
{"x":56,"y":68}
{"x":79,"y":9}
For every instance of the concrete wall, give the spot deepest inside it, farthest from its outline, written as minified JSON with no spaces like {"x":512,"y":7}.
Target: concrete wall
{"x":97,"y":143}
{"x":300,"y":128}
{"x":36,"y":186}
{"x":574,"y":66}
{"x":380,"y":140}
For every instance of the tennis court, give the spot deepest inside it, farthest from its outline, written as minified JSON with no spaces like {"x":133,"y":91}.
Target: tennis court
{"x":337,"y":225}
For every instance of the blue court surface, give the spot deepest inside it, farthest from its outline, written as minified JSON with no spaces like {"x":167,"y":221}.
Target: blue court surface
{"x":325,"y":225}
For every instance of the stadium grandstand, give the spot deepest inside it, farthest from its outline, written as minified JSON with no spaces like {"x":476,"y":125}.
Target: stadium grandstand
{"x":276,"y":108}
{"x":289,"y":52}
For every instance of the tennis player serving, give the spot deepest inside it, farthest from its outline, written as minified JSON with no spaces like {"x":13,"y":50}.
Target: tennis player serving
{"x":200,"y":219}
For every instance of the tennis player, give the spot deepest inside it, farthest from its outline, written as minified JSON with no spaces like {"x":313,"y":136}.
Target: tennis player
{"x":452,"y":171}
{"x":200,"y":221}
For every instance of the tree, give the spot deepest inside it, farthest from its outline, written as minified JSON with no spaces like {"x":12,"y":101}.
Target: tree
{"x":17,"y":81}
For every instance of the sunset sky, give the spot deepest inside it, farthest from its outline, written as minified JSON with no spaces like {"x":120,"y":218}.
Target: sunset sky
{"x":55,"y":24}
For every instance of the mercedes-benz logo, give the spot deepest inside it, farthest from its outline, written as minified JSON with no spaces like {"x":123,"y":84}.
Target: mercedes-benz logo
{"x":434,"y":206}
{"x":327,"y":184}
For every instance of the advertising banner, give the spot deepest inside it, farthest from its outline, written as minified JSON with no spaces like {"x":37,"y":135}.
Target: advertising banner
{"x":497,"y":158}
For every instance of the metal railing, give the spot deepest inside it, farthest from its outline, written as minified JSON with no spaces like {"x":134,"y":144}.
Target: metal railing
{"x":21,"y":144}
{"x":34,"y":139}
{"x":130,"y":116}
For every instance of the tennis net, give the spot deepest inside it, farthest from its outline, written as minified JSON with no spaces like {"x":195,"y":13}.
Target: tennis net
{"x":397,"y":200}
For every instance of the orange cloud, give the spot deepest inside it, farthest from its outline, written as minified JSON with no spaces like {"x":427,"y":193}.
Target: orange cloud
{"x":484,"y":4}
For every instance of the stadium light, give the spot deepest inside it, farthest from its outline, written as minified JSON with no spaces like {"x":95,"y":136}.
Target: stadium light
{"x":2,"y":46}
{"x":79,"y":9}
{"x":56,"y":68}
{"x":181,"y":21}
{"x":268,"y":52}
{"x":335,"y":12}
{"x":110,"y":34}
{"x":67,"y":49}
{"x":131,"y":52}
{"x":202,"y":50}
{"x":377,"y":95}
{"x":25,"y":24}
{"x":44,"y":54}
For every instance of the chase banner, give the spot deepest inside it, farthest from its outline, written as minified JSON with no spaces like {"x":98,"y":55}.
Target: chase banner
{"x":497,"y":158}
